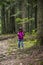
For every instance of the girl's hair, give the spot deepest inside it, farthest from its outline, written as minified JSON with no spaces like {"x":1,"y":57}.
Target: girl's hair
{"x":20,"y":29}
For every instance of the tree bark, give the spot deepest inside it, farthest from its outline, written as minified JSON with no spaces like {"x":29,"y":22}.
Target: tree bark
{"x":12,"y":20}
{"x":3,"y":19}
{"x":40,"y":21}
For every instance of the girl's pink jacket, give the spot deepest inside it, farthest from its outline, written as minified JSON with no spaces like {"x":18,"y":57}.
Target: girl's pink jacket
{"x":20,"y":35}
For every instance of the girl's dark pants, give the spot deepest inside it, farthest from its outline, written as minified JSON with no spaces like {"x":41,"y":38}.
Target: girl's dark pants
{"x":20,"y":43}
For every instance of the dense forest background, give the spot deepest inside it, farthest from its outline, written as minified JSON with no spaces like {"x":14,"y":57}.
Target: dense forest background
{"x":15,"y":13}
{"x":27,"y":14}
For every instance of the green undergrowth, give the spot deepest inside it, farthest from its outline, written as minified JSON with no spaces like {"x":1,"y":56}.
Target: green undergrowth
{"x":29,"y":43}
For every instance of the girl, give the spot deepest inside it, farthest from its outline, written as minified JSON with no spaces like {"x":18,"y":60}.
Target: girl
{"x":20,"y":37}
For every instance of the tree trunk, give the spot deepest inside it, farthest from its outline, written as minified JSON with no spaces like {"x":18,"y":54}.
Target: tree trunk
{"x":12,"y":20}
{"x":40,"y":21}
{"x":3,"y":19}
{"x":24,"y":13}
{"x":6,"y":21}
{"x":36,"y":16}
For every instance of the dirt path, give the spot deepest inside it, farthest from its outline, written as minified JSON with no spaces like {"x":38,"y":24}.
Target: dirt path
{"x":3,"y":46}
{"x":32,"y":56}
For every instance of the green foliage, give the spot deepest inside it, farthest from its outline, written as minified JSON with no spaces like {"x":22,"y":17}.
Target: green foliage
{"x":33,"y":31}
{"x":18,"y":20}
{"x":16,"y":14}
{"x":24,"y":20}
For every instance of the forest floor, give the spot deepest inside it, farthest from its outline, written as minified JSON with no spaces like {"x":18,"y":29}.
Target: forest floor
{"x":11,"y":55}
